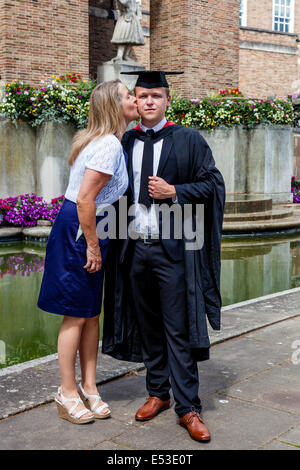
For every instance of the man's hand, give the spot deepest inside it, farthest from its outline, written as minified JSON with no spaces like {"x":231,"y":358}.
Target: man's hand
{"x":160,"y":189}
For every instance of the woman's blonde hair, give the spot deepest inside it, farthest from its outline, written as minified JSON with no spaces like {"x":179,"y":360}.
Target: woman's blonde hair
{"x":105,"y":117}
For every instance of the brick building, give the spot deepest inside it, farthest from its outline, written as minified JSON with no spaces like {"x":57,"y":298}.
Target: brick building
{"x":40,"y":38}
{"x":218,"y":43}
{"x":269,"y":49}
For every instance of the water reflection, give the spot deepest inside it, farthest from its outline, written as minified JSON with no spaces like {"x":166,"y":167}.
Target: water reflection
{"x":250,"y":268}
{"x":255,"y":267}
{"x":25,"y":330}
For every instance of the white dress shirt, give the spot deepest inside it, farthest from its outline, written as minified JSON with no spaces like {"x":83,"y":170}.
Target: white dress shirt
{"x":145,"y":219}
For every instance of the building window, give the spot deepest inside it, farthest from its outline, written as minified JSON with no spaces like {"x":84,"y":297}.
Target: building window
{"x":283,"y":16}
{"x":243,"y":12}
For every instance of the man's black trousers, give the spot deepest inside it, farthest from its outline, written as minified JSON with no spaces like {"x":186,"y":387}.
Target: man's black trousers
{"x":158,"y":289}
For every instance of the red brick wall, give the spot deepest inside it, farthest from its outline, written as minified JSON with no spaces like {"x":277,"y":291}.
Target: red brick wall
{"x":263,"y":73}
{"x":40,"y":38}
{"x":142,"y":53}
{"x":101,"y":31}
{"x":200,"y":38}
{"x":259,"y":14}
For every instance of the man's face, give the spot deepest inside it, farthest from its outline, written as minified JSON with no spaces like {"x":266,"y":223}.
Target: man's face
{"x":152,"y":104}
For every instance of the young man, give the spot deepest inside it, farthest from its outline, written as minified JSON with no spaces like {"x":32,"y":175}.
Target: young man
{"x":159,"y":289}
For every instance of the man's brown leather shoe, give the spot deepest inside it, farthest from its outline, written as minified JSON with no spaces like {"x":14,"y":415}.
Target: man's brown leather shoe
{"x":151,"y":408}
{"x":195,"y":426}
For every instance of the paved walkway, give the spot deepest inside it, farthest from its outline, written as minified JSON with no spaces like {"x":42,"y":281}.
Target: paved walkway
{"x":250,"y":390}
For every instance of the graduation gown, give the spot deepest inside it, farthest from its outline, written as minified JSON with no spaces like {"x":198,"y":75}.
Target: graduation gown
{"x":199,"y":182}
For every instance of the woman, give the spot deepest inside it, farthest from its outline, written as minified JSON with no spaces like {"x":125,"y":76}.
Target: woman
{"x":73,"y":274}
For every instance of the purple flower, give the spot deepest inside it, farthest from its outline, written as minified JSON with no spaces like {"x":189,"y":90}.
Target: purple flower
{"x":25,"y":210}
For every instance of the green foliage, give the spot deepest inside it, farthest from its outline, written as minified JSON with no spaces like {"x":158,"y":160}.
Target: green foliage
{"x":229,"y":108}
{"x":66,"y":99}
{"x":62,"y":100}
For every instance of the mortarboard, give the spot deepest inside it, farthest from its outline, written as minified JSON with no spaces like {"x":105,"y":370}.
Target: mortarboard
{"x":151,"y":79}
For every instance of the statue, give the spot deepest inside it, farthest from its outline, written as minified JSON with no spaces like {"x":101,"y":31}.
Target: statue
{"x":128,"y":30}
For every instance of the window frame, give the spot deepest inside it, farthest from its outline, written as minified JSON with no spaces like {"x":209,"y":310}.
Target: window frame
{"x":243,"y":13}
{"x":292,"y":18}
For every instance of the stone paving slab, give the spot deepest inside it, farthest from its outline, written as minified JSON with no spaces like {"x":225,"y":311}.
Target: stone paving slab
{"x":26,"y":388}
{"x":242,"y":409}
{"x":244,"y":358}
{"x":248,"y":316}
{"x":291,"y":438}
{"x":108,"y":445}
{"x":278,"y":387}
{"x":250,"y":390}
{"x":37,"y":430}
{"x":277,"y":445}
{"x":28,"y":385}
{"x":234,"y":425}
{"x":282,"y":335}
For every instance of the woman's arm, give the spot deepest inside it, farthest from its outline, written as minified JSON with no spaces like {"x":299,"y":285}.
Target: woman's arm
{"x":93,"y":181}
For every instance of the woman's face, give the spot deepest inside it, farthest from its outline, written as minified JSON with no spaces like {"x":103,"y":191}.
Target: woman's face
{"x":129,"y":105}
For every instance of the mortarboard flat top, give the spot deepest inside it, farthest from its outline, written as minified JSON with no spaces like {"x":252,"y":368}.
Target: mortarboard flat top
{"x":151,"y":79}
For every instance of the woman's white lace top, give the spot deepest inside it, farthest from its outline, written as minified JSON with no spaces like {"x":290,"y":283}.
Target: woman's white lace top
{"x":106,"y":156}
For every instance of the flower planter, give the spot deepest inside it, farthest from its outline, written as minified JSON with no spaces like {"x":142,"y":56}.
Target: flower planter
{"x":53,"y":144}
{"x":34,"y":159}
{"x":18,"y":170}
{"x":254,"y":161}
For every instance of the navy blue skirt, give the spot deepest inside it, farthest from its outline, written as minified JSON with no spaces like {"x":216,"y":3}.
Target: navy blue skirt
{"x":67,"y":288}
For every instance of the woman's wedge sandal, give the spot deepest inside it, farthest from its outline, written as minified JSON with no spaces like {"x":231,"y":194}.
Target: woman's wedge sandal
{"x":65,"y":413}
{"x":95,"y":408}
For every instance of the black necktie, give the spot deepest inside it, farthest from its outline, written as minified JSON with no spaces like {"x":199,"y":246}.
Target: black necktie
{"x":147,"y":169}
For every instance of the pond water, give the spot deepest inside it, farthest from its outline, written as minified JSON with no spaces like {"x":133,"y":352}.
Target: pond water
{"x":250,"y":268}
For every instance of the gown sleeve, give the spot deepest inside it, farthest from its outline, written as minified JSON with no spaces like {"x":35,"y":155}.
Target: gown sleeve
{"x":204,"y":173}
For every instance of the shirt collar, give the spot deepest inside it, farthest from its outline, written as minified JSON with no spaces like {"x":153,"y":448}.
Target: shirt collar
{"x":156,"y":128}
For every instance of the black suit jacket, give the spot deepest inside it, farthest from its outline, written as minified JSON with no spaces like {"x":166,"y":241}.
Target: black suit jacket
{"x":168,"y":170}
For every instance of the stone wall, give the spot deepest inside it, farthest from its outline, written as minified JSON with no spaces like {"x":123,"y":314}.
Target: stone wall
{"x":34,"y":159}
{"x":258,"y":161}
{"x":296,"y":136}
{"x":17,"y":159}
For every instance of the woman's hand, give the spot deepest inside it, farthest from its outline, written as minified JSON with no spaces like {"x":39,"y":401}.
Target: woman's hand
{"x":94,"y":260}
